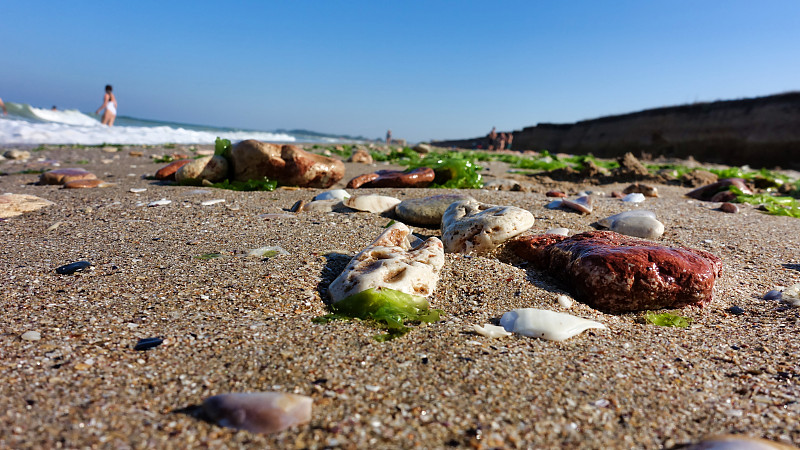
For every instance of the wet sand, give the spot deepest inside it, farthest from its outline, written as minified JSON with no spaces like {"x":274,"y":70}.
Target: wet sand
{"x":236,"y":323}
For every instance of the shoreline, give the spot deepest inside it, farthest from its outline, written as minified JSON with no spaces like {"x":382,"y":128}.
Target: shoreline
{"x":237,"y":323}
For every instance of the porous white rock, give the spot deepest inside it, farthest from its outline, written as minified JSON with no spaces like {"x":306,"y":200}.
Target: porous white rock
{"x":391,"y":262}
{"x":333,"y":194}
{"x":492,"y":331}
{"x":373,"y":203}
{"x":469,"y":226}
{"x":258,"y":412}
{"x":550,"y":325}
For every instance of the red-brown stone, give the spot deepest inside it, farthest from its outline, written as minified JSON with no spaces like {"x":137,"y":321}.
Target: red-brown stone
{"x":168,"y":172}
{"x":288,"y":164}
{"x":617,"y":273}
{"x":61,"y":176}
{"x":707,"y":192}
{"x":555,"y":194}
{"x":417,"y":178}
{"x":78,"y":184}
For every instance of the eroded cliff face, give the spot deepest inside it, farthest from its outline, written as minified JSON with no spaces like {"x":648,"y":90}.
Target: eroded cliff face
{"x":761,"y":132}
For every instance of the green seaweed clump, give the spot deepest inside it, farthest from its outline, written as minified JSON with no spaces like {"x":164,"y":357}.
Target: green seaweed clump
{"x":773,"y":204}
{"x":452,"y":171}
{"x":222,"y":147}
{"x":264,"y":184}
{"x":667,"y":320}
{"x":386,"y":309}
{"x":208,"y":256}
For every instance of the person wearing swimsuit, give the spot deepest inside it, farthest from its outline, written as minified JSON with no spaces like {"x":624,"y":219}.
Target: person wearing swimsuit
{"x":110,"y":106}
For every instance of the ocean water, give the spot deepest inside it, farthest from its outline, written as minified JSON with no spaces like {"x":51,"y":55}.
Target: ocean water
{"x":26,"y":124}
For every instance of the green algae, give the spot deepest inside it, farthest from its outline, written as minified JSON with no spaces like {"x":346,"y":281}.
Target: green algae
{"x":667,"y":320}
{"x":264,"y":184}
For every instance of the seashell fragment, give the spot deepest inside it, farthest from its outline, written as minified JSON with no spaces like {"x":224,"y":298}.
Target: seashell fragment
{"x":137,"y":190}
{"x":333,"y":194}
{"x":391,"y":262}
{"x":161,"y":202}
{"x":791,"y":295}
{"x":258,"y":412}
{"x":559,"y":231}
{"x":733,"y":442}
{"x":212,"y":202}
{"x":555,"y":204}
{"x":774,"y":294}
{"x":373,"y":203}
{"x":582,"y":204}
{"x":550,"y":325}
{"x":492,"y":331}
{"x":633,"y":198}
{"x":322,"y":205}
{"x":564,"y":301}
{"x":469,"y":226}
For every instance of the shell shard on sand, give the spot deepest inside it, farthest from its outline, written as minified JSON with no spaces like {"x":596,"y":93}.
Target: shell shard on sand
{"x":550,"y":325}
{"x":333,"y":194}
{"x":492,"y":331}
{"x":258,"y":412}
{"x":469,"y":226}
{"x":373,"y":203}
{"x":391,"y":262}
{"x":733,"y":442}
{"x":582,"y":204}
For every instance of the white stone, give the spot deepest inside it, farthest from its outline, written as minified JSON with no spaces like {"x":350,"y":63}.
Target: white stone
{"x":212,"y":202}
{"x":559,"y":231}
{"x":791,"y":295}
{"x":333,"y":194}
{"x":633,"y":198}
{"x":373,"y":203}
{"x":137,"y":190}
{"x":391,"y":262}
{"x":31,"y":336}
{"x":550,"y":325}
{"x":161,"y":202}
{"x":564,"y":301}
{"x":638,"y":226}
{"x":322,"y":205}
{"x":492,"y":331}
{"x":469,"y":226}
{"x":606,"y":222}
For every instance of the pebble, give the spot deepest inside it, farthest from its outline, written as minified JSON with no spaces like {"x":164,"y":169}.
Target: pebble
{"x":148,"y":343}
{"x":333,"y":194}
{"x":212,"y":202}
{"x":633,"y":198}
{"x":321,"y":205}
{"x":791,"y":295}
{"x":258,"y":412}
{"x":137,"y":190}
{"x":161,"y":202}
{"x":17,"y":154}
{"x":12,"y":205}
{"x":582,"y":204}
{"x":417,"y":178}
{"x":555,"y":204}
{"x":469,"y":226}
{"x":373,"y":203}
{"x":729,"y":208}
{"x":638,"y":226}
{"x":544,"y":324}
{"x":737,"y":310}
{"x":644,"y":189}
{"x":734,"y":442}
{"x":564,"y":301}
{"x":71,"y":268}
{"x":559,"y":231}
{"x":427,"y":210}
{"x":773,"y":295}
{"x":61,"y":176}
{"x":606,"y":222}
{"x":31,"y":336}
{"x":555,"y":194}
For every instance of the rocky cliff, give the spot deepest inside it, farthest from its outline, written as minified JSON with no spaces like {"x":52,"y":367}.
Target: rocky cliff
{"x":760,"y":132}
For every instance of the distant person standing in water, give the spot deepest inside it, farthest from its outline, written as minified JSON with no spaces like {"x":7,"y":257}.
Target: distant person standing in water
{"x":3,"y":105}
{"x":110,"y":106}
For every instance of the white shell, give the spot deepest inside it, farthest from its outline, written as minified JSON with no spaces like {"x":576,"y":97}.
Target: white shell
{"x":161,"y":202}
{"x":391,"y":262}
{"x":582,"y":204}
{"x":550,"y":325}
{"x":733,"y":442}
{"x":333,"y":194}
{"x":559,"y":231}
{"x":633,"y":198}
{"x":258,"y":412}
{"x":212,"y":202}
{"x":373,"y":203}
{"x":261,"y":251}
{"x":137,"y":190}
{"x":492,"y":331}
{"x":322,"y":205}
{"x":469,"y":226}
{"x":564,"y":301}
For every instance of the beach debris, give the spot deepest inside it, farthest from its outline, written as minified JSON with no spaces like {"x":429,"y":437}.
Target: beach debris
{"x":148,"y":343}
{"x":391,"y":262}
{"x":734,"y":442}
{"x":321,"y":205}
{"x":707,"y":192}
{"x":633,"y":198}
{"x":729,"y":208}
{"x":791,"y":295}
{"x":773,"y":294}
{"x":168,"y":172}
{"x":258,"y":412}
{"x":723,"y":196}
{"x":267,"y":252}
{"x":422,"y":148}
{"x":93,"y":183}
{"x":582,"y":204}
{"x":69,"y":269}
{"x":373,"y":203}
{"x":491,"y":331}
{"x":333,"y":194}
{"x":61,"y":176}
{"x":12,"y":205}
{"x":544,"y":324}
{"x":54,"y":226}
{"x":558,"y":194}
{"x":736,"y":310}
{"x":427,"y":210}
{"x":137,"y":190}
{"x":644,"y":189}
{"x":31,"y":336}
{"x":637,"y":223}
{"x":564,"y":301}
{"x":211,"y":168}
{"x":360,"y":155}
{"x":617,"y":273}
{"x":414,"y":178}
{"x":385,"y":308}
{"x":208,"y":256}
{"x":161,"y":202}
{"x":288,"y":164}
{"x":212,"y":202}
{"x":17,"y":154}
{"x":555,"y":204}
{"x":469,"y":226}
{"x":559,"y":230}
{"x":503,"y":184}
{"x":666,"y":319}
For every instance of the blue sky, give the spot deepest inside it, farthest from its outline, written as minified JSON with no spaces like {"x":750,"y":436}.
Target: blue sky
{"x":427,"y":70}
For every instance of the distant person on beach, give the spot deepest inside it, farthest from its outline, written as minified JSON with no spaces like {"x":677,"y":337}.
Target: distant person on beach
{"x":501,"y":141}
{"x":388,"y":137}
{"x":492,"y":139}
{"x":110,"y":106}
{"x":509,"y":139}
{"x":3,"y":105}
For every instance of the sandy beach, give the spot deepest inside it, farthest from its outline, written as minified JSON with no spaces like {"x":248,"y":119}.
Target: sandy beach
{"x":238,"y":323}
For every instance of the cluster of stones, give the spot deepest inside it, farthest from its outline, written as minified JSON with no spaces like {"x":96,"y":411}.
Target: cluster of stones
{"x":74,"y":178}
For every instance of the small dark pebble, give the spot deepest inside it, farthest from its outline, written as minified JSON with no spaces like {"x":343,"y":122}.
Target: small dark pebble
{"x":773,"y":295}
{"x":735,"y":347}
{"x":729,"y":208}
{"x":736,"y":310}
{"x":73,"y":267}
{"x":148,"y":343}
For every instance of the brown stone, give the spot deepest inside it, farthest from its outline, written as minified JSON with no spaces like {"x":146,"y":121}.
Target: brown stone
{"x":93,"y":183}
{"x":617,"y":194}
{"x":168,"y":172}
{"x":723,"y":196}
{"x":617,"y":273}
{"x":697,"y":178}
{"x":641,"y":188}
{"x":361,"y":156}
{"x":417,"y":178}
{"x":706,"y":193}
{"x":61,"y":176}
{"x":555,"y":194}
{"x":630,"y":168}
{"x":288,"y":164}
{"x":212,"y":168}
{"x":729,"y":208}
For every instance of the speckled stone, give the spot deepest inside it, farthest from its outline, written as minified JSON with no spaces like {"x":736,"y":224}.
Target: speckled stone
{"x":61,"y":176}
{"x":416,"y":178}
{"x":427,"y":210}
